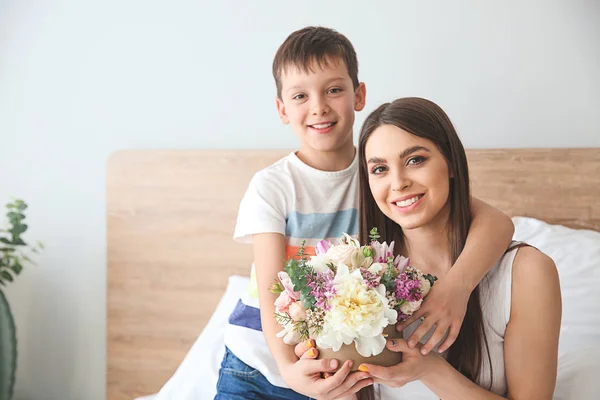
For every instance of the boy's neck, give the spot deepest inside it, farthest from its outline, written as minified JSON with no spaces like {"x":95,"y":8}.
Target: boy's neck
{"x":337,"y":160}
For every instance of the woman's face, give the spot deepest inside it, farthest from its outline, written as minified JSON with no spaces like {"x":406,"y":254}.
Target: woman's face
{"x":408,"y":177}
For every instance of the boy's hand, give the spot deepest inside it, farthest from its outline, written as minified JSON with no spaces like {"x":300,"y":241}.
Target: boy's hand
{"x":304,"y":376}
{"x":445,"y":306}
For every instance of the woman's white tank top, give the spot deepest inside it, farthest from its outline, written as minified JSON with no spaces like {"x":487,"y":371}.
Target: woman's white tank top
{"x":495,"y":292}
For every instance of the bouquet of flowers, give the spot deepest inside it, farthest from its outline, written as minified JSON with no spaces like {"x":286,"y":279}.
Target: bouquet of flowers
{"x":347,"y":293}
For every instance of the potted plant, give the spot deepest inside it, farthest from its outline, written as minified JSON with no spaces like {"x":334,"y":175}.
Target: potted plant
{"x":13,"y":257}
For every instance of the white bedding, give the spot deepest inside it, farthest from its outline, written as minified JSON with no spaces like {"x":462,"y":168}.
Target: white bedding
{"x":577,"y":256}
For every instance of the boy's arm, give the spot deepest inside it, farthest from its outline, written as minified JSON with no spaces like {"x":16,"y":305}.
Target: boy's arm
{"x":489,"y":236}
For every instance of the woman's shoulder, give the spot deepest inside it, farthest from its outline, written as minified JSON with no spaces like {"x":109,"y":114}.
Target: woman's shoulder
{"x":531,"y":263}
{"x":535,"y":283}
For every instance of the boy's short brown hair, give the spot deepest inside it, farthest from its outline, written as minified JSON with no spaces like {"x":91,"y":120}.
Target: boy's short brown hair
{"x":314,"y":44}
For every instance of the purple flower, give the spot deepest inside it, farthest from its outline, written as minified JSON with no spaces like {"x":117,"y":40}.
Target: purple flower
{"x":408,"y":289}
{"x":371,"y":279}
{"x":322,"y":288}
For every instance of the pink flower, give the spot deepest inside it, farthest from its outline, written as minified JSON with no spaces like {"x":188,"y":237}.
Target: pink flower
{"x":322,"y":247}
{"x":296,"y":311}
{"x":401,"y":262}
{"x":288,"y":286}
{"x":381,"y":251}
{"x":283,"y":302}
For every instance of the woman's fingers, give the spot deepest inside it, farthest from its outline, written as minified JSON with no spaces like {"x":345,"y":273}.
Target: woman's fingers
{"x":451,"y":338}
{"x":410,"y":320}
{"x":437,"y":337}
{"x":421,"y":331}
{"x":353,"y":383}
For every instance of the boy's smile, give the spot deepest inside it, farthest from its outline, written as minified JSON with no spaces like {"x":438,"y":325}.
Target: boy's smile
{"x":319,"y":104}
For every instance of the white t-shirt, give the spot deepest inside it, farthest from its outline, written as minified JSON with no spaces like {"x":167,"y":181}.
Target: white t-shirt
{"x":303,"y":204}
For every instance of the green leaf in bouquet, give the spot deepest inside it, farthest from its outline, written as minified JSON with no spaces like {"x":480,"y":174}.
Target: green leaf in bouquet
{"x":374,"y":235}
{"x":430,"y":278}
{"x":307,"y":299}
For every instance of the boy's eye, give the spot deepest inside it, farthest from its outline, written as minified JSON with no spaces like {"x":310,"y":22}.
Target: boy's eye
{"x":334,"y":90}
{"x":415,"y":160}
{"x":299,"y":96}
{"x":378,"y":170}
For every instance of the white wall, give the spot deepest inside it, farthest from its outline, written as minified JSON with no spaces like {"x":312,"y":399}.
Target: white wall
{"x":81,"y":79}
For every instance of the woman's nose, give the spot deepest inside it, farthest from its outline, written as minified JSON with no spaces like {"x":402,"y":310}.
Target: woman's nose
{"x":401,"y":182}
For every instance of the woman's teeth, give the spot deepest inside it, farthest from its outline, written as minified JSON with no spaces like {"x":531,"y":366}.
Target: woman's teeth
{"x":408,"y":202}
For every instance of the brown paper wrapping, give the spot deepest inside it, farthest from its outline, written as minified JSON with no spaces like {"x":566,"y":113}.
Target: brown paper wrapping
{"x":386,"y":358}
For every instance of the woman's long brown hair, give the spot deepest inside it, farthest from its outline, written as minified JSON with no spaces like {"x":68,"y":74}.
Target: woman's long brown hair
{"x":427,"y":120}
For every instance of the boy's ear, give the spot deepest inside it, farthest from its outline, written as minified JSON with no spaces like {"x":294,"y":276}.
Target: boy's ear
{"x":360,"y":97}
{"x":281,"y":111}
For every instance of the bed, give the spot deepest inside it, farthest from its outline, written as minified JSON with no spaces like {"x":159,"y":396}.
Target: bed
{"x":170,"y":219}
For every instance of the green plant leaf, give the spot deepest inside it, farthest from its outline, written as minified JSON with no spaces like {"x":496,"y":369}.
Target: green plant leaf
{"x":16,"y":268}
{"x":6,"y":275}
{"x":5,"y":241}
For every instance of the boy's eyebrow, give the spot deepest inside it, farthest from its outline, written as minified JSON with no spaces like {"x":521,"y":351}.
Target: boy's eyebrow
{"x":405,"y":153}
{"x":328,"y":82}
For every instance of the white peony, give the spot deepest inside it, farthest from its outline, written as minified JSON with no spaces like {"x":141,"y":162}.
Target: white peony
{"x":319,"y":263}
{"x":357,"y":314}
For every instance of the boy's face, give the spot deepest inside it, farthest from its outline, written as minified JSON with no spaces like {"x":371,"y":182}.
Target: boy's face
{"x":320,"y":106}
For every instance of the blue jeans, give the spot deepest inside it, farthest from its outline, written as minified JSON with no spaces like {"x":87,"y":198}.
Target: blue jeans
{"x":238,"y":381}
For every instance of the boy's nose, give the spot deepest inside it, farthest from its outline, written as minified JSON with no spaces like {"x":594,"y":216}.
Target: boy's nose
{"x":320,"y":107}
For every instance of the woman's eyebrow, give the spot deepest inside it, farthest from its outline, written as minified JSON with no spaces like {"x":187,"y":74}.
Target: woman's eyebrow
{"x":413,"y":149}
{"x":376,"y":160}
{"x":405,"y":153}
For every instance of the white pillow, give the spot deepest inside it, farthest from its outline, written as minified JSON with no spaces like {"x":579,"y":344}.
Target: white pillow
{"x":576,"y":253}
{"x":196,"y":377}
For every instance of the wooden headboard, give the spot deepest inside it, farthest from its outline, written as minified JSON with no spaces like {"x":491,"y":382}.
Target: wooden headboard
{"x":171,"y":216}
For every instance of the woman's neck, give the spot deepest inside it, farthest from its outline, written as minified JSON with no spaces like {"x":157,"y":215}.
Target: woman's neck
{"x":429,"y":248}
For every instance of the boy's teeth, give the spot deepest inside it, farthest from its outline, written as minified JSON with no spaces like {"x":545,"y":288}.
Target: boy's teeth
{"x":322,"y":126}
{"x":408,"y":202}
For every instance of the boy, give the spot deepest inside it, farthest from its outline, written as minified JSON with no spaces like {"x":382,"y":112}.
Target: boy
{"x":310,"y":195}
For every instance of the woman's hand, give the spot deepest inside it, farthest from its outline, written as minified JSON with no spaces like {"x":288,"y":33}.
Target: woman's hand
{"x":315,"y":378}
{"x":445,"y":307}
{"x":414,"y":365}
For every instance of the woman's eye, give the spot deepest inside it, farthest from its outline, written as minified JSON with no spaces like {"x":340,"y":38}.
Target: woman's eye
{"x":378,"y":170}
{"x":415,"y":160}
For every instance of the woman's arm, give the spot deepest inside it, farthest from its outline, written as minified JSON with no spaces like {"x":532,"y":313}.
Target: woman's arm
{"x":530,"y":342}
{"x":534,"y":327}
{"x":489,"y":236}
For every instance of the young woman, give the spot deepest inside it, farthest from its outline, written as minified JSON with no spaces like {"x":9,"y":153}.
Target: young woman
{"x":414,"y":187}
